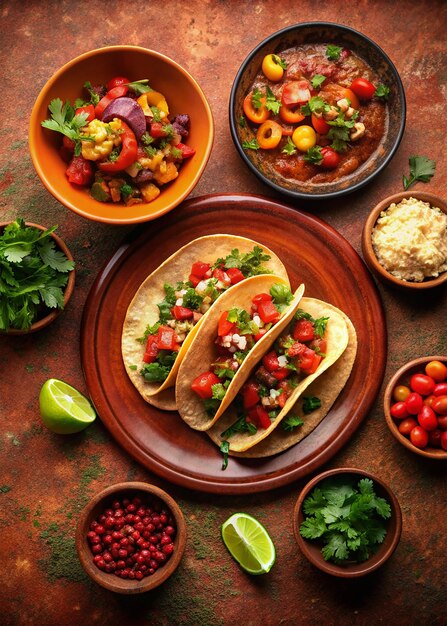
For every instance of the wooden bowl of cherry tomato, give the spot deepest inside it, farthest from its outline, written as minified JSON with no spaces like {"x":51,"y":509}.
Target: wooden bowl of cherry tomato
{"x":415,"y":405}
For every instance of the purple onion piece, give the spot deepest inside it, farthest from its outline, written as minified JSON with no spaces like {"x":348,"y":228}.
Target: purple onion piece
{"x":143,"y":176}
{"x":129,"y":111}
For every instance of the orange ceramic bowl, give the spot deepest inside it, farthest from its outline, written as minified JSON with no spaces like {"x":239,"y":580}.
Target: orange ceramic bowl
{"x":183,"y":95}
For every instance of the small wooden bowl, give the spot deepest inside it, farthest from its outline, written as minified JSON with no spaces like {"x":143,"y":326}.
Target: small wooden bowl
{"x":368,"y":250}
{"x":96,"y":506}
{"x":402,"y":377}
{"x":53,"y":313}
{"x":312,"y":549}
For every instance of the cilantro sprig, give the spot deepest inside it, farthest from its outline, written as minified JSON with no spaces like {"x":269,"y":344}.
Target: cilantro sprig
{"x":348,"y":519}
{"x":421,"y":168}
{"x":251,"y":145}
{"x":382,"y":91}
{"x":317,"y":80}
{"x":333,"y":52}
{"x":33,"y":273}
{"x":250,"y":263}
{"x":271,"y":102}
{"x":63,"y":120}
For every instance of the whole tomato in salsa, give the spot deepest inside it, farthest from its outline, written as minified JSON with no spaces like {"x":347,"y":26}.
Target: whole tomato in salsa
{"x":363,"y":88}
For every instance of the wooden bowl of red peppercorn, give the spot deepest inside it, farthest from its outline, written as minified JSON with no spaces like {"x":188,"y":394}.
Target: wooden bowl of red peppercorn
{"x":131,"y":537}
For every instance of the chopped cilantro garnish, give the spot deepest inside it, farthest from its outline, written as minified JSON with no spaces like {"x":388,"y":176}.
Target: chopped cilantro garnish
{"x":382,"y":91}
{"x":225,"y":448}
{"x":333,"y":52}
{"x":94,"y":97}
{"x":282,"y":296}
{"x":256,"y":98}
{"x":281,"y":62}
{"x":242,"y":121}
{"x":289,"y":147}
{"x":421,"y":168}
{"x":251,"y":145}
{"x":63,"y":120}
{"x":240,"y":426}
{"x":310,"y":404}
{"x":271,"y":103}
{"x":126,"y":190}
{"x":317,"y":80}
{"x":291,"y":422}
{"x":315,"y":105}
{"x":140,"y":86}
{"x":250,"y":263}
{"x":313,"y":155}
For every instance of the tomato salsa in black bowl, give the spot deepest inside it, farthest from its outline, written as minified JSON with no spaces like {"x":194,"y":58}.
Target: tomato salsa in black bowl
{"x":317,"y":110}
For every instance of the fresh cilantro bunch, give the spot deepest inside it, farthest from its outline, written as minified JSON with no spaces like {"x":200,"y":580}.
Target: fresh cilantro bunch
{"x":63,"y":120}
{"x":33,"y":274}
{"x":349,"y":520}
{"x":250,"y":263}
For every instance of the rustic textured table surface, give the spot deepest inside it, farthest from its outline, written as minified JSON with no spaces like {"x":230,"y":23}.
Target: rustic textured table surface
{"x":46,"y":479}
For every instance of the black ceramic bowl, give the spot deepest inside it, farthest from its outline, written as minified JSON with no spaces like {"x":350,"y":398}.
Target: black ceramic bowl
{"x":362,"y":46}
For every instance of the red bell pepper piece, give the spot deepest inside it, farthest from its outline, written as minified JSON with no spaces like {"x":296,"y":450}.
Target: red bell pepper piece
{"x":80,"y":171}
{"x":187,"y":151}
{"x":262,"y":297}
{"x":89,"y":109}
{"x":296,"y":349}
{"x":181,"y":313}
{"x":166,"y":338}
{"x":113,"y":94}
{"x":270,"y":361}
{"x":259,"y":416}
{"x":281,"y":373}
{"x":268,"y":312}
{"x":313,"y":366}
{"x":199,"y":269}
{"x":260,"y":334}
{"x":151,"y":349}
{"x":128,"y":154}
{"x":235,"y":275}
{"x":303,"y":330}
{"x":194,"y":280}
{"x":158,"y":130}
{"x":250,"y":395}
{"x":222,"y":277}
{"x":224,"y":327}
{"x":202,"y":384}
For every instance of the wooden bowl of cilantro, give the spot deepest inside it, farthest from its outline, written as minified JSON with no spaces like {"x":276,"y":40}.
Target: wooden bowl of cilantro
{"x":347,"y":522}
{"x":37,"y":276}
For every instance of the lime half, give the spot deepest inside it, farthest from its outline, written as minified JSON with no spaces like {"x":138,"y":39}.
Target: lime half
{"x":63,"y":409}
{"x":249,"y":543}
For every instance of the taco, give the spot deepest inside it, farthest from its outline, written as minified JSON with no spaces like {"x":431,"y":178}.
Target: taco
{"x":241,"y":326}
{"x":170,"y":305}
{"x":307,"y":347}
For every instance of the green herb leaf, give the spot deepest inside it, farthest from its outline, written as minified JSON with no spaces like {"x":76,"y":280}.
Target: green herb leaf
{"x":251,"y":145}
{"x":63,"y":120}
{"x":126,"y":190}
{"x":271,"y":103}
{"x":242,"y":121}
{"x":289,"y":147}
{"x":382,"y":91}
{"x":225,"y":448}
{"x":281,"y":62}
{"x":167,"y":303}
{"x":333,"y":52}
{"x":94,"y":97}
{"x":250,"y":263}
{"x":282,"y":296}
{"x":317,"y":80}
{"x":239,"y":426}
{"x":320,"y":326}
{"x":310,"y":404}
{"x":291,"y":422}
{"x":315,"y":105}
{"x":421,"y":169}
{"x":313,"y":155}
{"x":256,"y":99}
{"x":140,"y":86}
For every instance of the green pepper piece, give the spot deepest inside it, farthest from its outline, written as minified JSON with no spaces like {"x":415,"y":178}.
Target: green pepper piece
{"x":99,"y":193}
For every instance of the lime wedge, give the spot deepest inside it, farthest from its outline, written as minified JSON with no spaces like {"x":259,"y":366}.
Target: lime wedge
{"x":63,"y":409}
{"x":249,"y":543}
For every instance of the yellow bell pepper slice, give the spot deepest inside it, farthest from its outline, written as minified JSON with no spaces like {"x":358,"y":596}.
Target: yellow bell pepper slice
{"x":153,"y":99}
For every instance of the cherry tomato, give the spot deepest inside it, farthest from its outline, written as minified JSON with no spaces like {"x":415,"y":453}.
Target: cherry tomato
{"x":331,"y":159}
{"x":296,"y":92}
{"x":434,"y":438}
{"x":414,"y":403}
{"x":257,"y":116}
{"x":401,"y":393}
{"x":399,"y":411}
{"x":406,"y":426}
{"x":427,"y":418}
{"x":271,"y":68}
{"x":437,"y":370}
{"x":80,"y":171}
{"x":117,"y":82}
{"x":363,"y":88}
{"x":419,"y":437}
{"x":442,"y":422}
{"x":320,"y":125}
{"x":444,"y":440}
{"x":428,"y":401}
{"x":440,"y":389}
{"x":269,"y":135}
{"x":439,"y":405}
{"x":423,"y":384}
{"x":304,"y":138}
{"x":291,"y":115}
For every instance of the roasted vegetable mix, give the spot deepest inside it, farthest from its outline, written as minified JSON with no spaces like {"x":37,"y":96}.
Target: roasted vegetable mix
{"x":33,"y":275}
{"x":120,"y":141}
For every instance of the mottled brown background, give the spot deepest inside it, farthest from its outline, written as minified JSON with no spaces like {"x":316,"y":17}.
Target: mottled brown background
{"x":46,"y":479}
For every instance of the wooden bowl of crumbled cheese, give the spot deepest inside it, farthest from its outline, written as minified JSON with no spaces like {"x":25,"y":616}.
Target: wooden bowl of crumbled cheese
{"x":404,"y":240}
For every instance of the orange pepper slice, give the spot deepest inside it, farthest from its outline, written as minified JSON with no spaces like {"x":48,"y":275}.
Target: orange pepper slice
{"x":258,"y":116}
{"x":291,"y":115}
{"x":269,"y":135}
